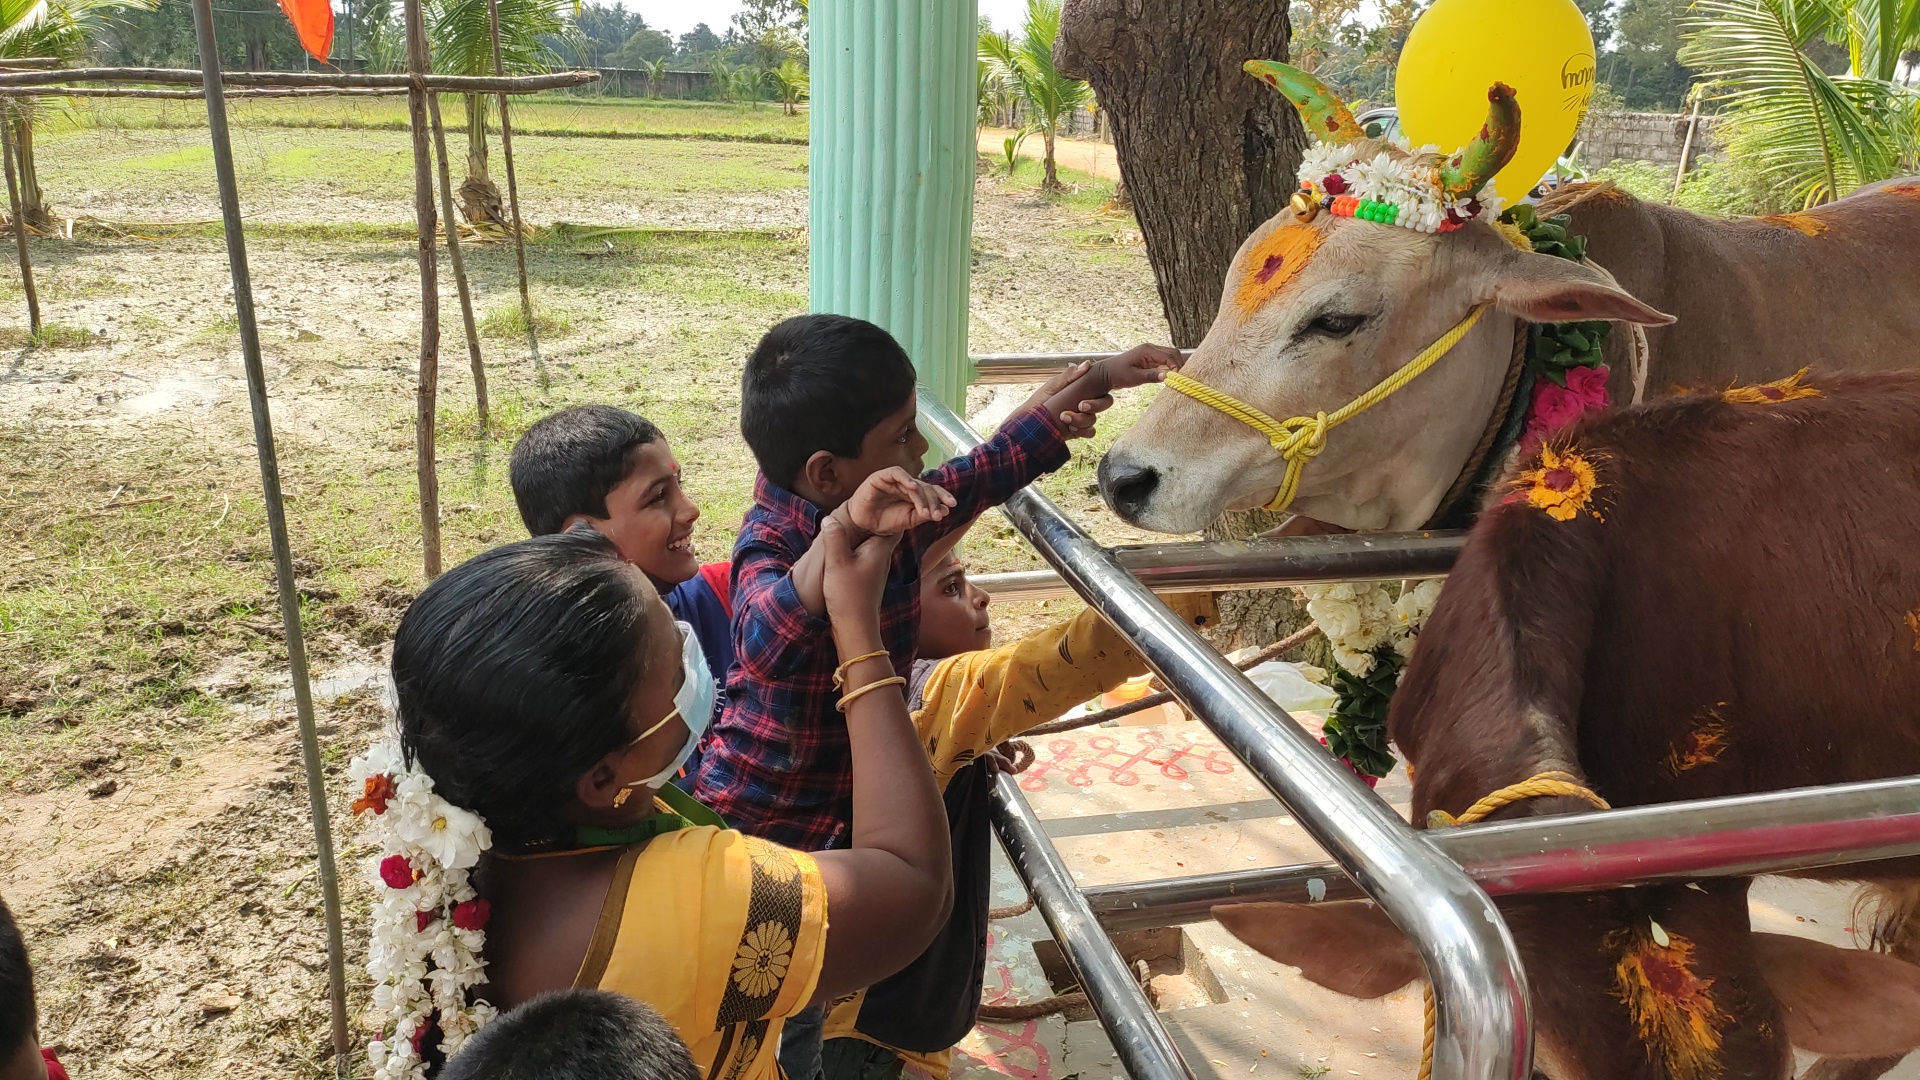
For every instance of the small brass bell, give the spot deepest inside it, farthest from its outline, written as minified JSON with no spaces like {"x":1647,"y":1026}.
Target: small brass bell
{"x":1305,"y":206}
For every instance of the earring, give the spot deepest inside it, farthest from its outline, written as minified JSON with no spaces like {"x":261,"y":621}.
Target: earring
{"x":620,"y":797}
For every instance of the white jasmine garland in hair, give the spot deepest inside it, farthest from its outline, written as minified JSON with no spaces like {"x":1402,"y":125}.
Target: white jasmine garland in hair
{"x":429,"y":926}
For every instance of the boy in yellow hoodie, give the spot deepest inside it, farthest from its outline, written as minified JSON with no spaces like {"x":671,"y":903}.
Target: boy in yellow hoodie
{"x":966,"y":698}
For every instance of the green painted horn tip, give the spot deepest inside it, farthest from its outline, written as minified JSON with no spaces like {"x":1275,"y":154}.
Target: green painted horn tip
{"x":1269,"y":71}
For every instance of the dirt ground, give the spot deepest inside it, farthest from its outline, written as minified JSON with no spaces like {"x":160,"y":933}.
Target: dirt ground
{"x":154,"y":837}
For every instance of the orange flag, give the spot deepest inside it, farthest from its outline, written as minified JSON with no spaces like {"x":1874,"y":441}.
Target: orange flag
{"x":313,"y":21}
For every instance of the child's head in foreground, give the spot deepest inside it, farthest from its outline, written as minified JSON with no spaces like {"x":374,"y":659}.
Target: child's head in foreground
{"x":827,"y":401}
{"x":19,"y":1022}
{"x":606,"y":467}
{"x":575,"y":1035}
{"x":953,"y":612}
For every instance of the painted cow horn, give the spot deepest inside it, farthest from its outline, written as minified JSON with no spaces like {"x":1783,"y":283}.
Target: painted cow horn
{"x":1465,"y":173}
{"x":1326,"y":116}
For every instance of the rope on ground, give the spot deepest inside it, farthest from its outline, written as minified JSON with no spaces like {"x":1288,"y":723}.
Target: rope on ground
{"x":1278,"y":648}
{"x":1012,"y":912}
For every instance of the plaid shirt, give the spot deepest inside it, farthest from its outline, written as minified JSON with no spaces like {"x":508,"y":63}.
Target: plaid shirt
{"x":777,"y":764}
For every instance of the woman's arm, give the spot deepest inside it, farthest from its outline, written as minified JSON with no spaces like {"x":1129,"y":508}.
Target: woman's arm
{"x":891,"y":892}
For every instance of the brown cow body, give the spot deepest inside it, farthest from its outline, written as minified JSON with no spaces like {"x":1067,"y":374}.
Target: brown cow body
{"x":1736,"y":609}
{"x":1753,"y":296}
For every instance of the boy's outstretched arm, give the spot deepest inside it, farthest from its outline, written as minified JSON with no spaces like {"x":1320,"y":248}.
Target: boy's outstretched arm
{"x":1090,"y":392}
{"x":978,"y":700}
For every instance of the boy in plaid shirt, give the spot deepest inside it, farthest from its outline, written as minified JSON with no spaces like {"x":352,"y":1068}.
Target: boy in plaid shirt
{"x":827,"y":407}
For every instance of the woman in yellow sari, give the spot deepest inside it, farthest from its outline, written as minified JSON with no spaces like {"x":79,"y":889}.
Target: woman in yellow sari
{"x":545,"y":687}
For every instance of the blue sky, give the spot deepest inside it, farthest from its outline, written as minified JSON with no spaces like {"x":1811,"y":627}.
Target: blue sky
{"x":677,"y":17}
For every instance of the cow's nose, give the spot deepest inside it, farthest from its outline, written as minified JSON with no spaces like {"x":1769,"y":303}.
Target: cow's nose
{"x":1127,"y":488}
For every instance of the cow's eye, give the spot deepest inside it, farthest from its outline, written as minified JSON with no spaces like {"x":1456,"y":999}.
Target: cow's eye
{"x":1335,"y":325}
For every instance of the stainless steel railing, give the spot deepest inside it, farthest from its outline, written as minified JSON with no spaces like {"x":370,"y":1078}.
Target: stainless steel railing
{"x":1202,"y":565}
{"x":1484,"y":1029}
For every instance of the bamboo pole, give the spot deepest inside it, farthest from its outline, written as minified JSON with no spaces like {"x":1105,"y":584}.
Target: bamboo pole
{"x":276,"y":524}
{"x":459,"y":264}
{"x":1686,"y":150}
{"x":30,"y":63}
{"x":463,"y":84}
{"x":195,"y":95}
{"x":513,"y":200}
{"x":19,"y":221}
{"x":427,"y":392}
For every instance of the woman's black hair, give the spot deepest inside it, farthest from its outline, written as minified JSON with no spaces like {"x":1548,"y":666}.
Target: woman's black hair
{"x":514,"y":672}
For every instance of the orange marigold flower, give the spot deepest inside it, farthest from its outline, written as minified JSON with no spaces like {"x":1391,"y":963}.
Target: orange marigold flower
{"x":1563,"y":484}
{"x":379,"y":789}
{"x":1773,"y":393}
{"x":1672,"y":1007}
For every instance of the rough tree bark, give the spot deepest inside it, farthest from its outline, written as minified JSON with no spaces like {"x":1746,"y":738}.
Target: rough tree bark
{"x":479,"y":197}
{"x":33,"y":201}
{"x":1206,"y":151}
{"x":1206,"y":154}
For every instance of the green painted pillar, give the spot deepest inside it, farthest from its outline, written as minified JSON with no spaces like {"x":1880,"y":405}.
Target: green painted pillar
{"x":891,"y":174}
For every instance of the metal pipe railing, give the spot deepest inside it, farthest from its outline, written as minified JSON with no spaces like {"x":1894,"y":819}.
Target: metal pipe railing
{"x":1001,"y":368}
{"x":1484,"y":1029}
{"x":1738,"y":836}
{"x":1202,"y":565}
{"x":1129,"y":1019}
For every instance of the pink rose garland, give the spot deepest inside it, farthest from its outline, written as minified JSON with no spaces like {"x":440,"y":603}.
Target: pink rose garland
{"x":1555,"y":407}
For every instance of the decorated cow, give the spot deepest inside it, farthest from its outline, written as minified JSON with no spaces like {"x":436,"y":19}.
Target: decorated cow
{"x":1310,"y":391}
{"x":1711,"y":595}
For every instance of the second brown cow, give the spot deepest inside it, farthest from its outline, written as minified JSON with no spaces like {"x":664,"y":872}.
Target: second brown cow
{"x":1713,"y":595}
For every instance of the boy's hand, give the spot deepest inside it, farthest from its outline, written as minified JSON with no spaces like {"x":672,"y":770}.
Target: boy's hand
{"x":1080,"y":394}
{"x":1140,"y":365}
{"x":891,"y":501}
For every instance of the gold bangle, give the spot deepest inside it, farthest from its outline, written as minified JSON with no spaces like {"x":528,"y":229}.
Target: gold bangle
{"x":840,"y":673}
{"x":867,"y":689}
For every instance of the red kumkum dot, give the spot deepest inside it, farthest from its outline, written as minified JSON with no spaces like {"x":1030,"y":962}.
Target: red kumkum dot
{"x":1558,"y":479}
{"x":1666,"y":977}
{"x":1269,"y":268}
{"x":1772,"y":393}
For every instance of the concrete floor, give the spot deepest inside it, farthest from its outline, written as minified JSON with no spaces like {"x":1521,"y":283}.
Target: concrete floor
{"x":1138,"y":803}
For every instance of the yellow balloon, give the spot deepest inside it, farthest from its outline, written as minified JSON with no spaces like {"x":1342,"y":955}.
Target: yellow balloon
{"x":1459,"y":48}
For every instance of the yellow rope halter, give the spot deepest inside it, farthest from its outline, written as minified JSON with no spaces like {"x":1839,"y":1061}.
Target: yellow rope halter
{"x":1538,"y":786}
{"x":1300,"y":439}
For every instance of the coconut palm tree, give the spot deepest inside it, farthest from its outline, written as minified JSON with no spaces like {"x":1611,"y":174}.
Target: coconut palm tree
{"x":656,"y":75}
{"x":1027,"y":66}
{"x":790,"y":84}
{"x":463,"y":45}
{"x":60,"y":28}
{"x":1810,"y":136}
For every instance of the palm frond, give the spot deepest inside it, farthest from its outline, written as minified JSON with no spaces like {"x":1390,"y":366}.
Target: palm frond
{"x":1812,"y":136}
{"x":460,"y":32}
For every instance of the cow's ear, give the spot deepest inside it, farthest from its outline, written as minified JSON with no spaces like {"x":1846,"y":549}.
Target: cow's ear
{"x":1845,"y":1002}
{"x":1349,"y":946}
{"x":1545,"y":289}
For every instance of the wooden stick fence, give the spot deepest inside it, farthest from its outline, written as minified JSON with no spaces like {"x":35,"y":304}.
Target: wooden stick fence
{"x":459,"y":265}
{"x":513,"y":200}
{"x":458,"y":84}
{"x":19,"y":220}
{"x":210,"y":83}
{"x":276,"y":524}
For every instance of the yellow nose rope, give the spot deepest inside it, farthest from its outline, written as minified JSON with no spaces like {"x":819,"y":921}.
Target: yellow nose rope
{"x":1544,"y":785}
{"x":1300,"y":439}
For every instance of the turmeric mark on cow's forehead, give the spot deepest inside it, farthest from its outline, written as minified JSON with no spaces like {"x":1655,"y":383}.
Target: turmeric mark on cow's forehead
{"x":1563,"y":483}
{"x":1701,"y":746}
{"x":1803,"y":223}
{"x":1773,"y":393}
{"x":1271,"y":263}
{"x":1671,"y":1005}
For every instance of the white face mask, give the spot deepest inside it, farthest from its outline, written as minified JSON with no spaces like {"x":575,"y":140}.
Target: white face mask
{"x":692,"y":706}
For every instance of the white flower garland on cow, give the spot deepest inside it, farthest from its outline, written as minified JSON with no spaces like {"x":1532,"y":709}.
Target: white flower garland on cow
{"x":428,"y":923}
{"x":1372,"y":633}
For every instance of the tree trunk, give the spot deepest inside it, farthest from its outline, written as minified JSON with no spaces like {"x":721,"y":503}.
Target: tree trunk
{"x":33,"y":201}
{"x":1052,"y":182}
{"x":1205,"y":165}
{"x":479,"y":198}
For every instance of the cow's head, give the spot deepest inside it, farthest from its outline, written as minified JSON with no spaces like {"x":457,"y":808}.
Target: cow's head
{"x":1317,"y":308}
{"x":1654,"y":984}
